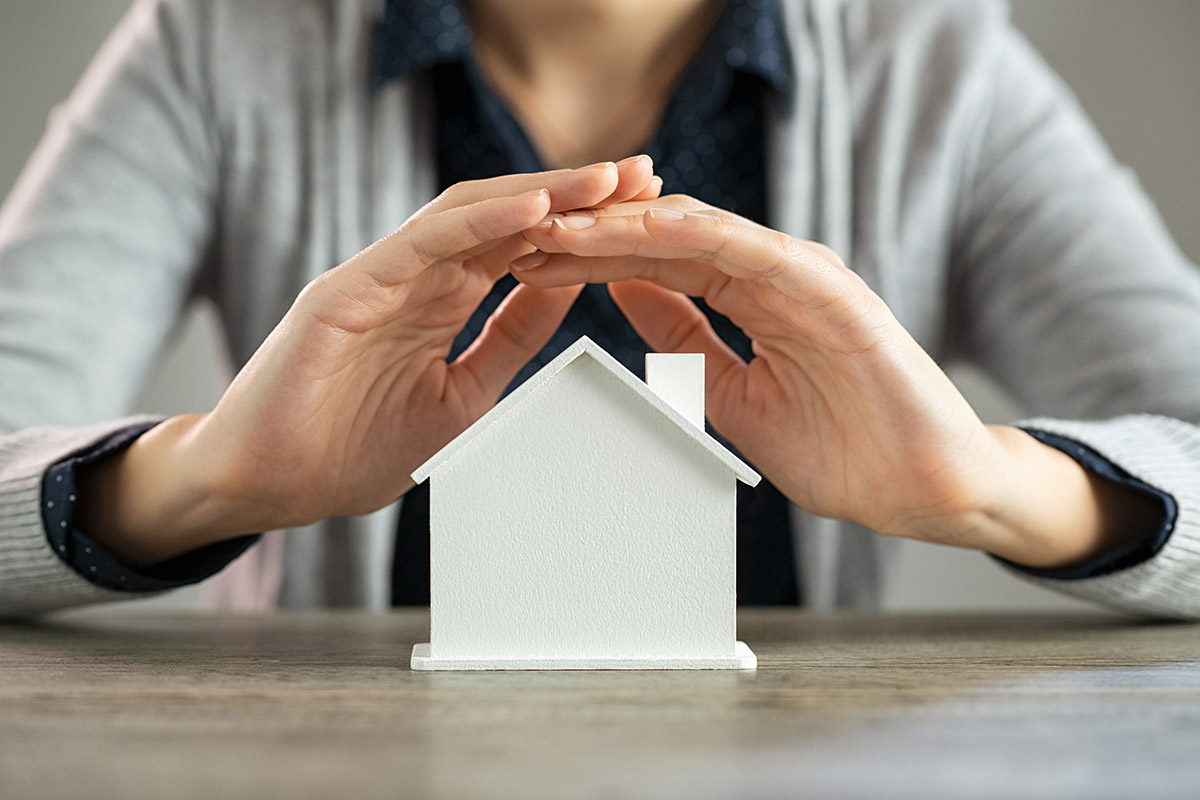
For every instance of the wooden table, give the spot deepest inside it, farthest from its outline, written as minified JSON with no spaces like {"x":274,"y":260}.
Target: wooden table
{"x":323,"y":705}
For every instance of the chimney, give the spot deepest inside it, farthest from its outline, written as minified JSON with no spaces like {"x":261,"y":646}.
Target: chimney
{"x":678,"y":378}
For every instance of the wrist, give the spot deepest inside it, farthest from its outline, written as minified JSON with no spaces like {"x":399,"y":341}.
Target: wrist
{"x":1038,"y":507}
{"x":158,"y":498}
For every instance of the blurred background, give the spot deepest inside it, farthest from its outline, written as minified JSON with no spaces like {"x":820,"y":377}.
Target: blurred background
{"x":1134,"y":66}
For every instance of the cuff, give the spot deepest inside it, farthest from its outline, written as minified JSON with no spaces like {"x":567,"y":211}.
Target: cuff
{"x":91,"y":561}
{"x":1162,"y":453}
{"x":32,"y":579}
{"x":1127,"y":555}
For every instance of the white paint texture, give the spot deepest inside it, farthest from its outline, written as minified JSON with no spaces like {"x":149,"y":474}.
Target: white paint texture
{"x":678,"y":378}
{"x":581,"y":524}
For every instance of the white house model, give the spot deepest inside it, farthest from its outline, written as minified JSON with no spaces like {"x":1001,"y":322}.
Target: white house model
{"x":586,"y":522}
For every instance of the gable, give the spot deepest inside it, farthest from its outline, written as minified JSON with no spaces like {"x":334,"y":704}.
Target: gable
{"x":610,"y":382}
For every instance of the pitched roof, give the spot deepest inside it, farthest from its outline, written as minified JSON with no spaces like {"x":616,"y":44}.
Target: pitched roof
{"x":585,"y":346}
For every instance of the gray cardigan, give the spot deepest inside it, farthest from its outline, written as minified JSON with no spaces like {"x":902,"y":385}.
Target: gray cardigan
{"x":234,"y":150}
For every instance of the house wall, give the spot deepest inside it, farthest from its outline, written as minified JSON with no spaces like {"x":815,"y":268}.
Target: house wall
{"x":582,"y":523}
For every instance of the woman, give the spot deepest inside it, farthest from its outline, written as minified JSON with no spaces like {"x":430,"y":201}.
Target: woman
{"x":922,"y":144}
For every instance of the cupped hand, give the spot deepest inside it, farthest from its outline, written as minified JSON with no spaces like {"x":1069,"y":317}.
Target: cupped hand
{"x":840,"y":407}
{"x":352,"y":391}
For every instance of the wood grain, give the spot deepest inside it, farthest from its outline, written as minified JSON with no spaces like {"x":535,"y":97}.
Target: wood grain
{"x":323,"y":705}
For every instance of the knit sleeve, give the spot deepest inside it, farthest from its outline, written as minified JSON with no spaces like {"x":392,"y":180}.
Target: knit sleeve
{"x":1069,"y":290}
{"x":1163,"y":453}
{"x":33,"y":578}
{"x":101,"y":243}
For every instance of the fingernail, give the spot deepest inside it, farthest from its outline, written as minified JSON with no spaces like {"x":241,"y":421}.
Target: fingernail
{"x":575,"y":223}
{"x":530,"y":261}
{"x":665,"y":215}
{"x":534,"y":193}
{"x":599,"y":165}
{"x":548,"y":220}
{"x":631,"y":159}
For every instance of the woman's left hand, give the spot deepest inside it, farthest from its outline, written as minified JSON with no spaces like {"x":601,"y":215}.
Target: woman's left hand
{"x":840,"y":407}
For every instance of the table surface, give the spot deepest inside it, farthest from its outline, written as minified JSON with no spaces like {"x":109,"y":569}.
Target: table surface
{"x":323,"y":705}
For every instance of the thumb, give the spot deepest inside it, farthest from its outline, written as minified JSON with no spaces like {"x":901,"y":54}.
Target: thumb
{"x":514,"y":333}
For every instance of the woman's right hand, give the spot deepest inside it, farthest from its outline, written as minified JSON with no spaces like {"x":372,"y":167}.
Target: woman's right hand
{"x":351,"y":391}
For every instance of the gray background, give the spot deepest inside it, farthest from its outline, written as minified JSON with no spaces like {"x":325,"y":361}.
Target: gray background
{"x":1134,"y":66}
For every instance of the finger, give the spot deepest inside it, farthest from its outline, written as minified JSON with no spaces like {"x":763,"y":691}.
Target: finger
{"x":635,"y":174}
{"x":569,"y":188}
{"x":602,"y":232}
{"x":693,"y":278}
{"x":515,"y":244}
{"x":486,"y":266}
{"x":425,"y":240}
{"x":743,"y":250}
{"x":805,"y":271}
{"x":541,"y":235}
{"x":651,"y":192}
{"x":514,"y":333}
{"x":492,"y":261}
{"x":670,"y":322}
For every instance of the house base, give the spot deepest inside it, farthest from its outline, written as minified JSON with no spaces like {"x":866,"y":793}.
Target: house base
{"x":743,"y":658}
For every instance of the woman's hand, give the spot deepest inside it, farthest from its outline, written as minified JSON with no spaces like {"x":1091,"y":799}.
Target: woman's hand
{"x":352,"y":391}
{"x":839,"y":407}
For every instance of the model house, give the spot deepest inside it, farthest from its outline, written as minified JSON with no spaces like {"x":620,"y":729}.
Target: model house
{"x":586,"y":522}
